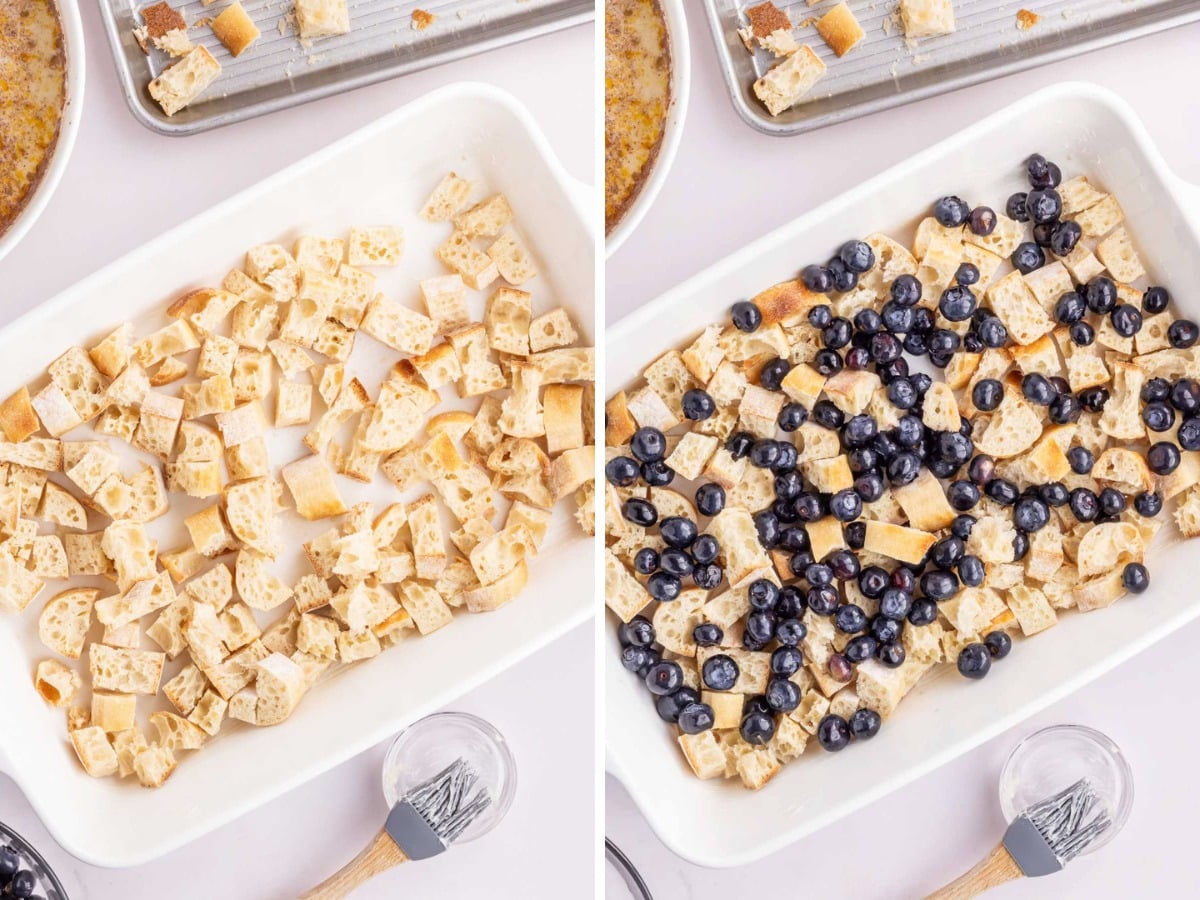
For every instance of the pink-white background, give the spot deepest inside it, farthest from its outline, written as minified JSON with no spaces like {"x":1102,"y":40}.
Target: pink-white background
{"x":730,"y":185}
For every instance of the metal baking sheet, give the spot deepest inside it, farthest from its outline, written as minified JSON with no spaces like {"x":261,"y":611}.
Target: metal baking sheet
{"x":884,"y":70}
{"x":279,"y":71}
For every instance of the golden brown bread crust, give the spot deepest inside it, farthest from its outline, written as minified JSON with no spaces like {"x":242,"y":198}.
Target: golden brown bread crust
{"x":840,"y":29}
{"x":767,"y":18}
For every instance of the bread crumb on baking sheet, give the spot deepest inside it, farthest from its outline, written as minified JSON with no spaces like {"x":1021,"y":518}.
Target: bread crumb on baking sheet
{"x":422,"y":19}
{"x":1026,"y":19}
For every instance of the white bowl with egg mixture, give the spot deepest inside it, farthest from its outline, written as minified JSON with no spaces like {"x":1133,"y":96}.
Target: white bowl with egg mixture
{"x":34,"y":201}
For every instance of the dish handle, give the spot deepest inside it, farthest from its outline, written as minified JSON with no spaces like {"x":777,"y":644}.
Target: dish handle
{"x":583,"y":198}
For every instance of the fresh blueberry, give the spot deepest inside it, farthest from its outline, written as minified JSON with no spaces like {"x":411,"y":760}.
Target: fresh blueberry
{"x":772,"y":374}
{"x":764,"y":453}
{"x":864,"y":724}
{"x":827,"y":362}
{"x":895,"y":603}
{"x":1042,"y":173}
{"x":966,"y":274}
{"x":982,"y":221}
{"x":1085,"y":506}
{"x":1112,"y":502}
{"x":1037,"y":389}
{"x":861,"y":648}
{"x":856,"y":535}
{"x":860,"y":430}
{"x":1093,"y":399}
{"x":817,"y":279}
{"x":943,"y":342}
{"x":982,"y":469}
{"x":788,"y":457}
{"x":710,"y":499}
{"x":923,"y":320}
{"x":792,"y":416}
{"x":850,"y":618}
{"x":1148,"y":503}
{"x":637,"y":632}
{"x":705,"y":549}
{"x":905,"y":291}
{"x":786,"y":660}
{"x":837,"y":334}
{"x":951,"y":211}
{"x":845,"y":505}
{"x":707,"y":634}
{"x":707,"y":576}
{"x":1126,"y":320}
{"x":885,"y":348}
{"x":739,"y":444}
{"x":648,"y":444}
{"x":1155,"y":300}
{"x":972,"y":343}
{"x":22,"y":885}
{"x":857,"y":255}
{"x":1002,"y":491}
{"x":822,"y":600}
{"x":885,"y":630}
{"x":987,"y":394}
{"x":974,"y":661}
{"x":678,"y":531}
{"x":867,"y":321}
{"x":820,"y":316}
{"x":1070,"y":308}
{"x":872,"y":581}
{"x":825,"y":414}
{"x":1066,"y":408}
{"x":992,"y":332}
{"x":1155,"y":390}
{"x":677,"y":562}
{"x":1064,"y":237}
{"x":1055,"y":494}
{"x":1101,"y":295}
{"x":963,"y":495}
{"x":962,"y":525}
{"x":758,"y":728}
{"x":923,"y":612}
{"x":760,"y":628}
{"x":833,"y":733}
{"x":891,"y":654}
{"x":635,"y":658}
{"x":946,"y":553}
{"x":844,"y":279}
{"x":769,"y":529}
{"x":998,"y":644}
{"x":669,"y":706}
{"x":745,"y":315}
{"x":939,"y":585}
{"x":657,"y":473}
{"x":664,"y":678}
{"x":639,"y":512}
{"x":1183,"y":333}
{"x":762,"y":595}
{"x":1015,"y":207}
{"x":719,"y":672}
{"x":1031,"y":514}
{"x":958,"y":303}
{"x":808,"y":507}
{"x":971,"y":571}
{"x":1163,"y":458}
{"x":1185,"y":396}
{"x":663,"y":586}
{"x":10,"y":862}
{"x":782,"y":695}
{"x":904,"y":468}
{"x":910,"y":432}
{"x":1082,"y":334}
{"x":1135,"y":577}
{"x":790,"y":632}
{"x":698,"y":405}
{"x":695,"y":718}
{"x":869,"y":487}
{"x":621,"y":471}
{"x":1044,"y":206}
{"x":788,"y":485}
{"x":896,"y":318}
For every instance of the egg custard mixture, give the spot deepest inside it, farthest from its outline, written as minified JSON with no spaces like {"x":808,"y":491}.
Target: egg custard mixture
{"x":637,"y":92}
{"x":32,"y":96}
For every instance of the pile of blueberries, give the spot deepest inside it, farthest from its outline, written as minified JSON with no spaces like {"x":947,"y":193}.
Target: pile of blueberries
{"x":907,"y":596}
{"x":15,"y":881}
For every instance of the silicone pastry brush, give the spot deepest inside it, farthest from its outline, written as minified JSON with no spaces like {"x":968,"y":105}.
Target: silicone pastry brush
{"x":424,"y":823}
{"x":1040,"y":841}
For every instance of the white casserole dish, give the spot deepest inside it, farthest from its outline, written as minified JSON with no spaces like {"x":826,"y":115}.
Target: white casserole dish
{"x":381,"y":174}
{"x":1087,"y":131}
{"x":681,"y":81}
{"x":60,"y":153}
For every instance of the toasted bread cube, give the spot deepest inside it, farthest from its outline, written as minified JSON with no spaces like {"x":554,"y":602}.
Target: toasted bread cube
{"x":179,"y":85}
{"x":95,"y":753}
{"x":320,"y":18}
{"x":785,"y":84}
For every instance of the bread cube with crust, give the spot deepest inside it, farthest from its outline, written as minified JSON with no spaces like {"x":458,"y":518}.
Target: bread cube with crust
{"x":448,"y":197}
{"x":95,"y":753}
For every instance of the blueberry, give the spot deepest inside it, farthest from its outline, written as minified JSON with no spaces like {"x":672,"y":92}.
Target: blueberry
{"x":1031,"y":514}
{"x":904,"y":468}
{"x":982,"y":469}
{"x":891,"y":654}
{"x":962,"y":525}
{"x":1148,"y":503}
{"x":833,"y":733}
{"x":808,"y":507}
{"x":1112,"y":502}
{"x":856,"y":535}
{"x":1155,"y":300}
{"x":951,"y":212}
{"x":639,"y":512}
{"x":820,"y":316}
{"x":886,"y":348}
{"x":762,"y":595}
{"x":637,"y":632}
{"x":974,"y":661}
{"x":1055,"y":494}
{"x":1135,"y":578}
{"x":669,"y":706}
{"x":757,"y":728}
{"x":677,"y":562}
{"x":772,"y":374}
{"x":872,"y":581}
{"x":719,"y":673}
{"x":760,"y":628}
{"x":869,"y":487}
{"x":867,"y":321}
{"x":621,"y":471}
{"x":1185,"y":396}
{"x":10,"y":862}
{"x":817,"y":279}
{"x":657,"y":473}
{"x":1015,"y":207}
{"x":1189,"y":433}
{"x":782,"y":695}
{"x":910,"y":432}
{"x":769,"y":529}
{"x":827,"y":362}
{"x":739,"y":444}
{"x":746,"y":316}
{"x":844,"y":279}
{"x":698,"y":405}
{"x":1044,"y":206}
{"x":998,"y":644}
{"x":857,"y":255}
{"x":707,"y":576}
{"x":678,"y":531}
{"x":987,"y":394}
{"x":972,"y":343}
{"x":1163,"y":458}
{"x":1037,"y":389}
{"x":710,"y":500}
{"x":845,"y":505}
{"x":850,"y":618}
{"x":790,"y":632}
{"x":958,"y":303}
{"x":923,"y":321}
{"x":902,"y":394}
{"x":635,"y":658}
{"x":992,"y":332}
{"x":1002,"y":491}
{"x":663,"y":586}
{"x":963,"y":495}
{"x":705,"y":549}
{"x":982,"y":221}
{"x":943,"y":342}
{"x":905,"y":291}
{"x":764,"y":453}
{"x":938,"y":585}
{"x":1183,"y":333}
{"x":707,"y":634}
{"x":896,"y":318}
{"x":864,"y":724}
{"x":1126,"y":320}
{"x":1082,"y":334}
{"x":923,"y":612}
{"x":860,"y":430}
{"x":1156,"y":389}
{"x":788,"y":457}
{"x":1101,"y":295}
{"x":788,"y":485}
{"x":818,"y":575}
{"x":1093,"y":399}
{"x":971,"y":571}
{"x":861,"y":648}
{"x":946,"y":553}
{"x":648,"y":444}
{"x":1064,"y":237}
{"x":792,"y":416}
{"x":895,"y":603}
{"x":1070,"y":308}
{"x":966,"y":274}
{"x":822,"y":600}
{"x":1066,"y":408}
{"x":1084,"y":505}
{"x":695,"y":718}
{"x":825,"y":414}
{"x":1042,"y":173}
{"x":664,"y":678}
{"x":837,"y":333}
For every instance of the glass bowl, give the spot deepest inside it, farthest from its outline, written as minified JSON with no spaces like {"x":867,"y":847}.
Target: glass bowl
{"x":621,"y":879}
{"x":429,"y":745}
{"x":1054,"y":758}
{"x":48,"y":885}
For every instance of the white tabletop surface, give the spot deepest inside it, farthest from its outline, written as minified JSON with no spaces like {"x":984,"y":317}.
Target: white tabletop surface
{"x":726,"y":187}
{"x":126,"y":185}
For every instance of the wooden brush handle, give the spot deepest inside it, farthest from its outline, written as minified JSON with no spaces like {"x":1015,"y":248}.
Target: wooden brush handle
{"x":992,"y":871}
{"x":378,"y":856}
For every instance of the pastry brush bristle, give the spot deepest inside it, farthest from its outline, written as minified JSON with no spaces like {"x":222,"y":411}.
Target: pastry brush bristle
{"x":446,"y":802}
{"x":1071,"y":820}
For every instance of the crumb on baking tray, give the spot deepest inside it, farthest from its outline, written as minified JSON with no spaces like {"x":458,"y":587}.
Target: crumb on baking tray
{"x":422,"y":19}
{"x":1026,"y":19}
